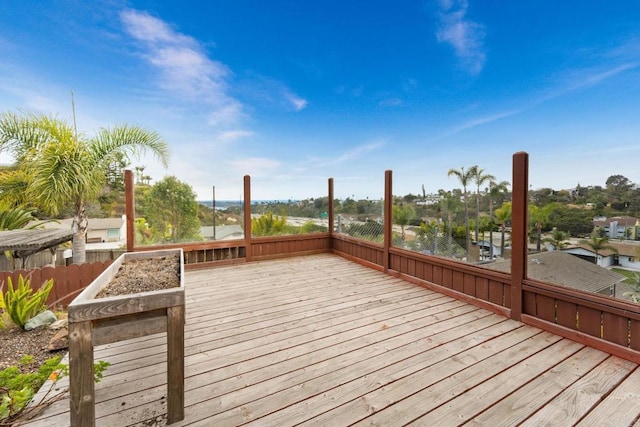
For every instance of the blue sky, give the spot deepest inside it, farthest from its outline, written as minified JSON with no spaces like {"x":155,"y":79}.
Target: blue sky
{"x":293,"y":92}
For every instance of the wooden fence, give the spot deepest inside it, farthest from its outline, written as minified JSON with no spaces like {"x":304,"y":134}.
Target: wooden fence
{"x":68,"y":281}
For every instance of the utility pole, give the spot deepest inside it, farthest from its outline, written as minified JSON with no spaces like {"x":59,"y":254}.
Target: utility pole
{"x":214,"y":212}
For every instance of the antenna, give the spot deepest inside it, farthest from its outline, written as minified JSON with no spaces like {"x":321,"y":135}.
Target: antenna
{"x":73,"y":110}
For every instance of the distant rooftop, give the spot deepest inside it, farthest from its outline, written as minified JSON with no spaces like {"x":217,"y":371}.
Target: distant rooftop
{"x":566,"y":270}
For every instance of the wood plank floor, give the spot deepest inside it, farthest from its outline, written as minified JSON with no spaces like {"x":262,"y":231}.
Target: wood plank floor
{"x":323,"y":341}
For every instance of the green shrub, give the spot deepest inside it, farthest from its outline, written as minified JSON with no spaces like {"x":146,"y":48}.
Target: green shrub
{"x":21,"y":303}
{"x":18,"y":388}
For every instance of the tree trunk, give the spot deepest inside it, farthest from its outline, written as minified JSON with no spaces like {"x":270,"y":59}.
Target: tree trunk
{"x":502,"y":242}
{"x":491,"y":228}
{"x":79,"y":227}
{"x":466,"y":225}
{"x":477,"y":213}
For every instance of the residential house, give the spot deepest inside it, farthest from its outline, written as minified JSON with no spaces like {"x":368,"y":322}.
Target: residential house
{"x":619,"y":227}
{"x":102,"y":230}
{"x":223,"y":232}
{"x":564,"y":269}
{"x":624,"y":255}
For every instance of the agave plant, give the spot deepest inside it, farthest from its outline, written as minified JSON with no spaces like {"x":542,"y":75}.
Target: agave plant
{"x":21,"y":303}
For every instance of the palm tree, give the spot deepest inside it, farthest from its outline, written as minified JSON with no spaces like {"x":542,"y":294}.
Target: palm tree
{"x":15,"y":218}
{"x":465,"y":178}
{"x":401,"y":216}
{"x":63,"y":169}
{"x":558,"y":239}
{"x":449,"y":203}
{"x":479,"y":177}
{"x":495,"y":190}
{"x":598,"y":243}
{"x":503,"y":215}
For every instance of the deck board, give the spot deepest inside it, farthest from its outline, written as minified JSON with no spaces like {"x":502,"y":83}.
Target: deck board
{"x":320,"y":340}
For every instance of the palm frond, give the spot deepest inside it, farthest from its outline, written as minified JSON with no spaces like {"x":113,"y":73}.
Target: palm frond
{"x":21,"y":135}
{"x":16,"y":218}
{"x":129,"y":139}
{"x":64,"y":174}
{"x":13,"y":186}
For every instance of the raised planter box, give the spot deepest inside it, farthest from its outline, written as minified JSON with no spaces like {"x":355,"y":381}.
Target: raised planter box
{"x":96,"y":321}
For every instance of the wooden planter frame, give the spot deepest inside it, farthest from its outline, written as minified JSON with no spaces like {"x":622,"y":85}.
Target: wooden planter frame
{"x":106,"y":320}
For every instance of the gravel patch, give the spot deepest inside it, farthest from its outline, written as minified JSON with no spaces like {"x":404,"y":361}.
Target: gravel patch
{"x":15,"y":343}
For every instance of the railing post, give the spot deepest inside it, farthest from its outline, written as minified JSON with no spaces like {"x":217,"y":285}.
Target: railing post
{"x":388,"y":220}
{"x":247,"y":217}
{"x":519,"y":229}
{"x":330,"y":212}
{"x":130,"y":209}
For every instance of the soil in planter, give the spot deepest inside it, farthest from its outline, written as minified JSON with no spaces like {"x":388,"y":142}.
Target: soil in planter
{"x":143,"y":275}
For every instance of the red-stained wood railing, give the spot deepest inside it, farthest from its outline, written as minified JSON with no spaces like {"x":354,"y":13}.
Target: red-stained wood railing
{"x":601,"y":322}
{"x":68,"y":280}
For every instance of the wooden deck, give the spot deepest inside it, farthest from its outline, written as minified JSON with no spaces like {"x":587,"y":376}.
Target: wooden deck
{"x":323,"y":341}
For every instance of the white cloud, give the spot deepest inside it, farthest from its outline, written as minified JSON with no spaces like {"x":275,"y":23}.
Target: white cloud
{"x":255,"y":166}
{"x":572,"y":81}
{"x":184,"y":67}
{"x":297,"y":102}
{"x":465,"y":36}
{"x":273,"y":92}
{"x":356,"y":153}
{"x":232,"y":135}
{"x":227,"y":114}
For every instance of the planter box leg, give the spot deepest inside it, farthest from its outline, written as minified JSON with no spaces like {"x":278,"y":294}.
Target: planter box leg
{"x":82,"y":388}
{"x":175,"y":363}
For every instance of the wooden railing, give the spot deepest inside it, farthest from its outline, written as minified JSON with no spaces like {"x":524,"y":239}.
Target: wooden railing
{"x":601,"y":322}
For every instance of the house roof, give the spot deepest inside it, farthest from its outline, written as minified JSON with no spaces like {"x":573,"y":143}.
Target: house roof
{"x":27,"y":242}
{"x":105,"y":223}
{"x":566,"y":270}
{"x":623,"y":221}
{"x":625,"y":249}
{"x":223,"y":232}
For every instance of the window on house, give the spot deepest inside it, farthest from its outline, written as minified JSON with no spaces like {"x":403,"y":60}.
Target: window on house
{"x":113,"y":233}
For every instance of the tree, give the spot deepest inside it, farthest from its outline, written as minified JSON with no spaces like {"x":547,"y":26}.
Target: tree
{"x":15,"y":218}
{"x":598,"y":243}
{"x":503,"y":215}
{"x":172,"y":209}
{"x":268,"y":225}
{"x":495,"y":190}
{"x":60,"y":168}
{"x":465,"y":179}
{"x":450,"y":204}
{"x":401,"y":216}
{"x":618,"y":184}
{"x":479,"y":177}
{"x":558,"y":239}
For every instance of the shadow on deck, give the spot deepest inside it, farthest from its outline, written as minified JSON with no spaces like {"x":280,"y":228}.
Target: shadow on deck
{"x":322,"y":340}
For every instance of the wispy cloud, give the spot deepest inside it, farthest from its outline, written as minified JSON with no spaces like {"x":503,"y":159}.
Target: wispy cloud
{"x":586,"y":78}
{"x":355,"y":153}
{"x":465,"y":36}
{"x":233,"y":135}
{"x":255,"y":166}
{"x":297,"y":102}
{"x":185,"y":68}
{"x":272,"y":92}
{"x":479,"y":121}
{"x":572,"y":81}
